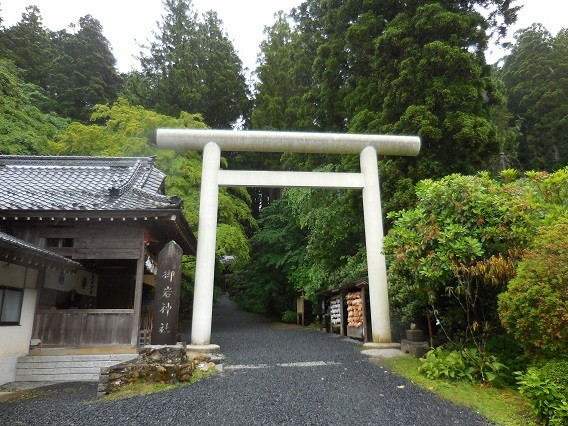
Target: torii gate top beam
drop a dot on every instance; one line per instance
(272, 141)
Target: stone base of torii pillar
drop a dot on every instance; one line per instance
(203, 349)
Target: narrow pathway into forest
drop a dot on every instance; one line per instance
(273, 375)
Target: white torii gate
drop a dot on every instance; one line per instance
(213, 141)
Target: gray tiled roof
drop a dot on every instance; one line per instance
(82, 183)
(21, 252)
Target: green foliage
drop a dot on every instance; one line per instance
(459, 248)
(266, 285)
(534, 308)
(191, 66)
(555, 370)
(508, 352)
(24, 129)
(463, 227)
(289, 317)
(546, 397)
(283, 78)
(433, 86)
(535, 76)
(224, 97)
(466, 364)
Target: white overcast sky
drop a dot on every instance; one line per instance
(126, 23)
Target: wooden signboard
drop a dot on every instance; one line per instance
(166, 298)
(300, 307)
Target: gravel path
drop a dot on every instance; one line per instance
(274, 375)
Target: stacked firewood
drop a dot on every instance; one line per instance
(354, 309)
(335, 309)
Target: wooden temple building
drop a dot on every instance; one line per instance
(105, 220)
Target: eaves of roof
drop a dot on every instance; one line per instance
(20, 252)
(182, 233)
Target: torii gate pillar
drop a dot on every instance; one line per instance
(205, 257)
(212, 141)
(376, 263)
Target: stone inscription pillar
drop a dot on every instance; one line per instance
(166, 297)
(378, 290)
(206, 237)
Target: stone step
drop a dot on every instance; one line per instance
(66, 364)
(57, 377)
(64, 368)
(51, 358)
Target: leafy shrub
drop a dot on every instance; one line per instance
(438, 364)
(534, 309)
(556, 370)
(508, 352)
(289, 317)
(456, 251)
(466, 364)
(545, 397)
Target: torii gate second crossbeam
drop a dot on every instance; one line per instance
(213, 141)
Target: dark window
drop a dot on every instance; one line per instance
(59, 242)
(52, 242)
(67, 242)
(10, 305)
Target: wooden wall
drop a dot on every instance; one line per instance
(94, 240)
(84, 326)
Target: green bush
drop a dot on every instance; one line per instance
(458, 220)
(556, 370)
(289, 317)
(508, 352)
(466, 365)
(545, 397)
(534, 309)
(455, 252)
(458, 249)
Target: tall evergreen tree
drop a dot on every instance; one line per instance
(535, 75)
(225, 93)
(284, 77)
(432, 80)
(171, 63)
(192, 66)
(28, 44)
(82, 73)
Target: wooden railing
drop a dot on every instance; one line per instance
(84, 326)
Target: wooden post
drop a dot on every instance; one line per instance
(166, 299)
(430, 330)
(40, 281)
(321, 311)
(342, 316)
(303, 309)
(138, 296)
(365, 323)
(300, 308)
